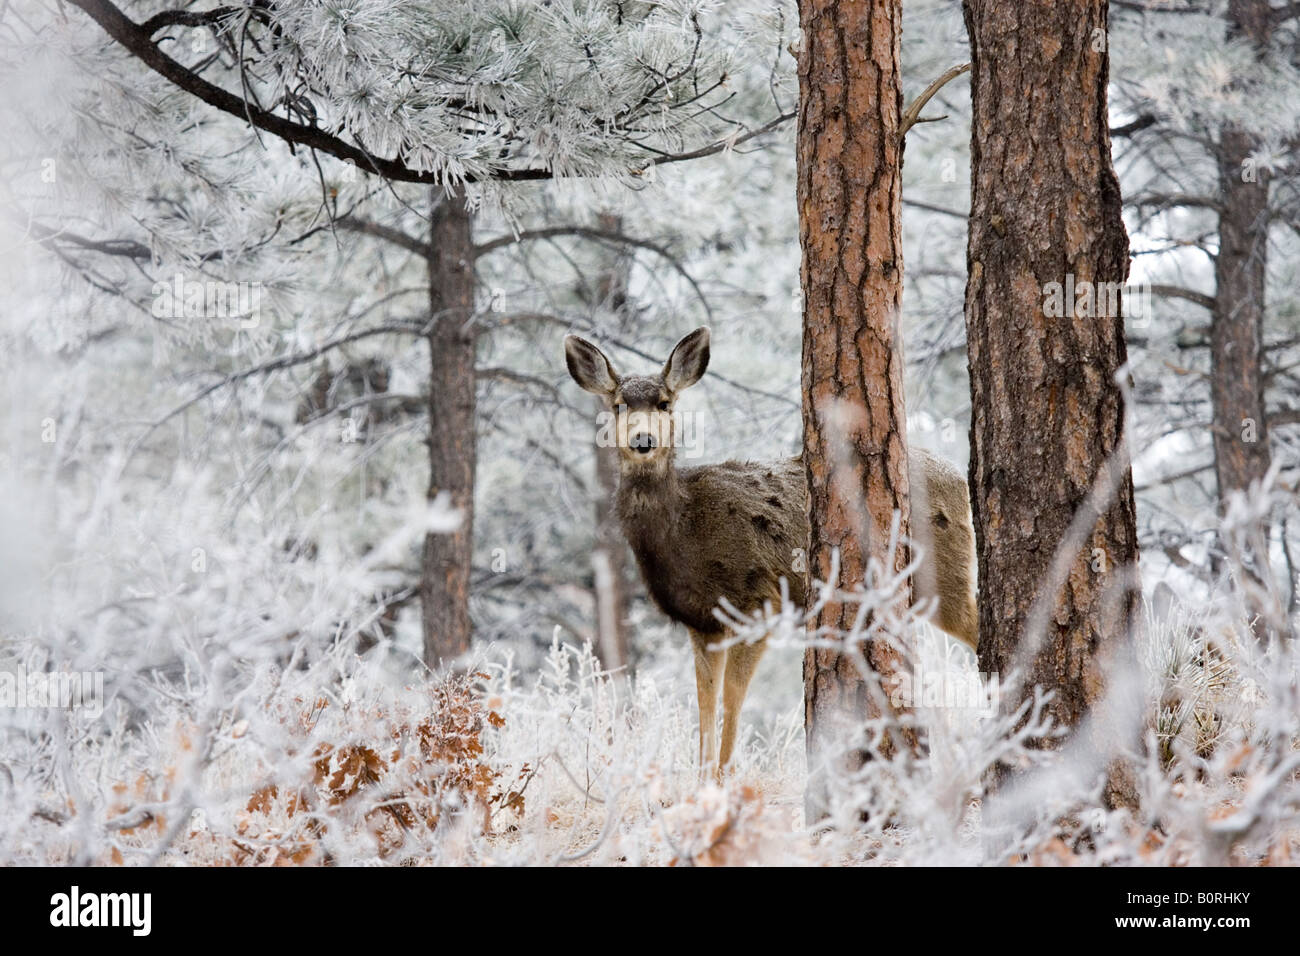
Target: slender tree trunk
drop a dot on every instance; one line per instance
(609, 563)
(849, 194)
(447, 559)
(1242, 454)
(1047, 415)
(609, 558)
(1241, 446)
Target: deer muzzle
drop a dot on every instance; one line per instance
(642, 443)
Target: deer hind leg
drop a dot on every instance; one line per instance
(709, 665)
(742, 660)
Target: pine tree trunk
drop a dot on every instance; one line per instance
(447, 559)
(609, 563)
(1047, 415)
(849, 196)
(609, 557)
(1241, 445)
(1241, 448)
(1242, 454)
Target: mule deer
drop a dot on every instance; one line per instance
(735, 529)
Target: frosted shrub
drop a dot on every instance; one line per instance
(237, 725)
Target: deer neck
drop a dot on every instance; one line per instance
(653, 510)
(650, 502)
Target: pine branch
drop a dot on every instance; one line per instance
(191, 18)
(133, 37)
(137, 39)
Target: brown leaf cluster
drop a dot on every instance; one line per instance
(401, 772)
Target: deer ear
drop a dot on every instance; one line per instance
(589, 366)
(690, 358)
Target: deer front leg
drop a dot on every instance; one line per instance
(709, 664)
(742, 661)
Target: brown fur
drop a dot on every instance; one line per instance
(734, 530)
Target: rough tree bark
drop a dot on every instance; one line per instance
(1047, 414)
(447, 558)
(849, 196)
(1241, 444)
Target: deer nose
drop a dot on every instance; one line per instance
(642, 443)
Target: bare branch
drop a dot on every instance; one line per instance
(1190, 295)
(723, 144)
(1175, 477)
(124, 248)
(1170, 200)
(930, 207)
(286, 361)
(502, 374)
(911, 116)
(604, 235)
(1128, 129)
(397, 237)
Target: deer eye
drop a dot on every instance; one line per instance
(663, 406)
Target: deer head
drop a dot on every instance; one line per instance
(642, 405)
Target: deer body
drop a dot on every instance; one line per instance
(734, 530)
(726, 530)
